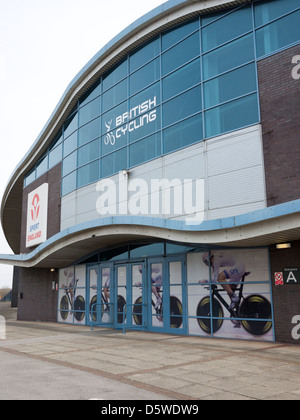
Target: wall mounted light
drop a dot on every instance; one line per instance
(284, 246)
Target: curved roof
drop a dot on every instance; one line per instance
(162, 17)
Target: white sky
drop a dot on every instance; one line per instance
(43, 45)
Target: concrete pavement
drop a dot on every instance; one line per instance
(41, 361)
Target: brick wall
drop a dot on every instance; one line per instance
(280, 117)
(286, 298)
(39, 301)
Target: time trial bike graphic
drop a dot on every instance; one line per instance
(70, 302)
(253, 313)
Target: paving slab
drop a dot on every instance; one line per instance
(40, 361)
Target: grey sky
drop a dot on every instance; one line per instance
(43, 45)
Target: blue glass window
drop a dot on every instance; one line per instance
(70, 144)
(115, 95)
(89, 132)
(89, 112)
(144, 54)
(118, 73)
(114, 163)
(69, 183)
(70, 125)
(228, 57)
(181, 53)
(70, 163)
(232, 116)
(88, 152)
(145, 76)
(88, 174)
(229, 27)
(177, 34)
(278, 34)
(267, 11)
(231, 85)
(92, 93)
(181, 79)
(110, 118)
(183, 134)
(55, 156)
(42, 166)
(145, 150)
(182, 106)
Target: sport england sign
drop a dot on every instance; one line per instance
(37, 216)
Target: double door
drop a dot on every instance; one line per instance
(149, 294)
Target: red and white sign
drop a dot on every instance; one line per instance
(37, 216)
(278, 279)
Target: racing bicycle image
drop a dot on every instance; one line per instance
(105, 308)
(70, 302)
(253, 313)
(175, 310)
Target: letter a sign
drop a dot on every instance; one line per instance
(291, 276)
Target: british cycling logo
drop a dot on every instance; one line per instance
(138, 116)
(296, 69)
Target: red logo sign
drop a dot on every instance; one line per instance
(35, 211)
(278, 279)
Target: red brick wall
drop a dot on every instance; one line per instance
(280, 117)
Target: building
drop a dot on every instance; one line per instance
(164, 191)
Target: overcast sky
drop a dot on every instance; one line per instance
(43, 45)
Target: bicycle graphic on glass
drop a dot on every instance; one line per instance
(253, 313)
(70, 303)
(110, 138)
(105, 301)
(175, 304)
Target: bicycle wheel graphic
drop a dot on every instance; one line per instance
(138, 311)
(64, 308)
(94, 311)
(120, 309)
(79, 308)
(175, 312)
(256, 307)
(204, 315)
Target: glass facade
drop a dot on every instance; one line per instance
(195, 81)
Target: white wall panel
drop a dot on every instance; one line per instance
(231, 166)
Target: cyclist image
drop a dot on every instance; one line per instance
(156, 278)
(70, 276)
(234, 273)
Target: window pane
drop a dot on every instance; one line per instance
(183, 134)
(228, 57)
(182, 106)
(114, 163)
(69, 183)
(71, 125)
(89, 112)
(109, 119)
(30, 178)
(181, 80)
(145, 150)
(145, 76)
(181, 54)
(91, 94)
(144, 54)
(115, 95)
(229, 86)
(42, 166)
(70, 144)
(89, 152)
(55, 156)
(175, 35)
(88, 132)
(231, 116)
(279, 34)
(70, 163)
(88, 174)
(144, 125)
(270, 10)
(115, 75)
(226, 29)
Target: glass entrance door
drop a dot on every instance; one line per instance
(167, 286)
(100, 289)
(130, 290)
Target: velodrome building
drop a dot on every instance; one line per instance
(163, 193)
